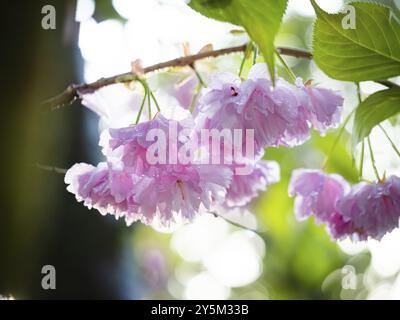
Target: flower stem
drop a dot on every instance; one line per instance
(150, 95)
(141, 107)
(149, 102)
(199, 77)
(245, 55)
(194, 100)
(338, 138)
(362, 159)
(390, 140)
(255, 54)
(358, 92)
(155, 100)
(373, 159)
(287, 68)
(360, 171)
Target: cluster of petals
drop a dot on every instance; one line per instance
(280, 116)
(142, 191)
(130, 186)
(244, 188)
(366, 210)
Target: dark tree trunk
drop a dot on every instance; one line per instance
(40, 222)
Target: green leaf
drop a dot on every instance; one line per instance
(376, 108)
(394, 5)
(105, 10)
(260, 18)
(371, 51)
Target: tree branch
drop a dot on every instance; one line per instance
(70, 94)
(297, 53)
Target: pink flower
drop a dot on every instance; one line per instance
(362, 212)
(339, 227)
(116, 105)
(275, 114)
(150, 192)
(182, 86)
(220, 103)
(230, 104)
(178, 83)
(106, 189)
(287, 105)
(180, 191)
(131, 144)
(223, 91)
(279, 116)
(322, 106)
(373, 209)
(170, 195)
(317, 193)
(244, 188)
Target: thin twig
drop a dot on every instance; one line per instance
(297, 53)
(71, 93)
(50, 168)
(236, 224)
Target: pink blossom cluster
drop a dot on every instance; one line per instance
(280, 116)
(366, 210)
(130, 186)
